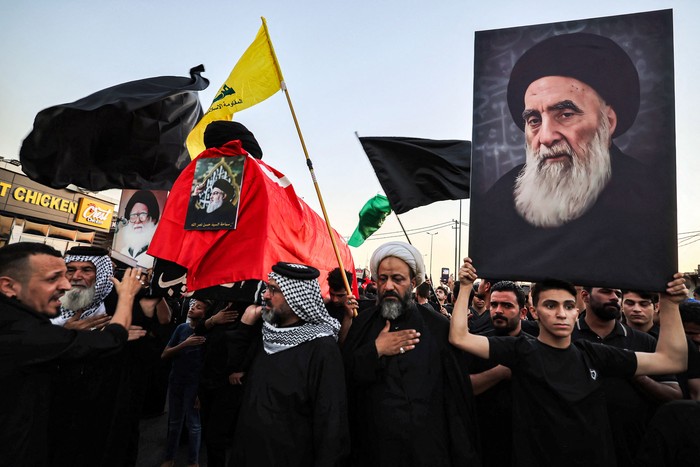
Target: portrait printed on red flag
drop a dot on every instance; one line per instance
(573, 156)
(139, 213)
(216, 191)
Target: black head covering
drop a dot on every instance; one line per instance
(87, 251)
(220, 132)
(147, 198)
(299, 272)
(592, 59)
(224, 186)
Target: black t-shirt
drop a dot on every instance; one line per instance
(559, 415)
(629, 407)
(494, 408)
(693, 371)
(479, 323)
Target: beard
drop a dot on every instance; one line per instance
(550, 194)
(214, 205)
(392, 309)
(606, 311)
(269, 316)
(78, 298)
(509, 325)
(137, 239)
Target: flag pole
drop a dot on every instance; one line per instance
(309, 163)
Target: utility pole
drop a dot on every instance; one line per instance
(430, 272)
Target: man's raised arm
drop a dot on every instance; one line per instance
(671, 354)
(459, 329)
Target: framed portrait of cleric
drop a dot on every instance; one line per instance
(216, 190)
(573, 159)
(139, 213)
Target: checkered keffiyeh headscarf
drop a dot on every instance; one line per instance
(303, 294)
(103, 286)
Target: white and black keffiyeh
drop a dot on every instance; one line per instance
(103, 286)
(304, 297)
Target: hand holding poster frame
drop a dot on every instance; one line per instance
(613, 226)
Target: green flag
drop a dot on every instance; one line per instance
(372, 217)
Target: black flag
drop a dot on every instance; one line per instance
(414, 172)
(131, 135)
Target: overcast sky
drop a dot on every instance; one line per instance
(381, 68)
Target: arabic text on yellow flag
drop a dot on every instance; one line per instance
(255, 77)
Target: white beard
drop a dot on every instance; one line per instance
(552, 194)
(214, 205)
(78, 298)
(136, 240)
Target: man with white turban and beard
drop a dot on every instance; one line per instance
(410, 397)
(571, 95)
(294, 409)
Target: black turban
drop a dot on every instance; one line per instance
(592, 59)
(147, 198)
(221, 132)
(87, 251)
(300, 272)
(224, 186)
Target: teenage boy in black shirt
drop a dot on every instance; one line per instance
(557, 396)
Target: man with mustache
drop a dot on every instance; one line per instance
(559, 409)
(572, 95)
(32, 282)
(491, 381)
(630, 401)
(409, 394)
(89, 270)
(294, 409)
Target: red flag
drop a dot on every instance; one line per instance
(274, 224)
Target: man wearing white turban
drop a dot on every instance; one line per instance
(410, 398)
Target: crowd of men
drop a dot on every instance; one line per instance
(559, 376)
(407, 374)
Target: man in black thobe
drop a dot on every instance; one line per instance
(294, 410)
(409, 393)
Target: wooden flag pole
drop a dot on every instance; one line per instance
(310, 165)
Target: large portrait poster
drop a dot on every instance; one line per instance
(573, 162)
(216, 191)
(139, 213)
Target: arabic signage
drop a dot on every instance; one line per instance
(21, 196)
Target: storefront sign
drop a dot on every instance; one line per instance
(94, 213)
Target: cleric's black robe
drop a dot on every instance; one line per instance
(294, 410)
(412, 409)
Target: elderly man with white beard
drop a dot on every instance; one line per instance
(89, 271)
(409, 392)
(572, 94)
(142, 213)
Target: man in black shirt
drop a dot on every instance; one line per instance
(630, 401)
(32, 281)
(557, 397)
(491, 381)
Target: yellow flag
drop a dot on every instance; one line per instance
(255, 77)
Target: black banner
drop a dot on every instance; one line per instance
(131, 135)
(415, 172)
